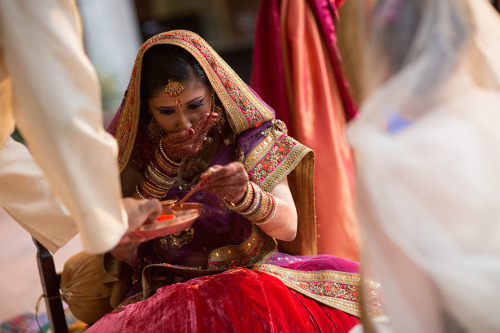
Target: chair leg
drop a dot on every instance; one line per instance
(50, 284)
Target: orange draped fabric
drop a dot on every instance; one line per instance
(318, 120)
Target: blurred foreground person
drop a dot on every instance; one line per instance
(49, 90)
(427, 149)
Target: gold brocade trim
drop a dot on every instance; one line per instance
(132, 299)
(273, 159)
(178, 239)
(245, 110)
(256, 248)
(260, 249)
(126, 130)
(230, 88)
(339, 290)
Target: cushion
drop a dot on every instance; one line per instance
(82, 287)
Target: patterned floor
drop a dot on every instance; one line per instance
(19, 280)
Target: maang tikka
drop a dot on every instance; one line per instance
(174, 89)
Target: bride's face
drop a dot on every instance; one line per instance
(179, 112)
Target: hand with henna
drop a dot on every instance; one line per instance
(228, 182)
(188, 142)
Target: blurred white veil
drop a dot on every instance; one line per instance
(427, 150)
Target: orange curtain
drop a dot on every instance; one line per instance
(318, 120)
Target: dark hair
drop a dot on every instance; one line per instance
(167, 62)
(400, 24)
(402, 30)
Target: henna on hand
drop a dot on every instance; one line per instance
(188, 142)
(228, 182)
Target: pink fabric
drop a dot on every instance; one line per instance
(319, 118)
(268, 78)
(239, 300)
(324, 12)
(268, 72)
(303, 64)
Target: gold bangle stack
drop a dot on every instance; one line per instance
(267, 211)
(257, 205)
(245, 203)
(159, 176)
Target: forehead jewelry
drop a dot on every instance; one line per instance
(174, 89)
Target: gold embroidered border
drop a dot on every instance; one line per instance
(293, 152)
(250, 112)
(258, 242)
(297, 280)
(225, 82)
(132, 299)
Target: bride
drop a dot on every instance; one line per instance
(250, 262)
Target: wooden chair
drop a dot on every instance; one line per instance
(51, 281)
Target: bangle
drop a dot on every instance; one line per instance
(244, 203)
(177, 164)
(270, 215)
(256, 200)
(139, 192)
(257, 206)
(159, 176)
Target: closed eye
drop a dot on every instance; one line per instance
(195, 105)
(167, 111)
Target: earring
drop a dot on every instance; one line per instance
(154, 129)
(219, 123)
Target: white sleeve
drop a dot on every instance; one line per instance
(57, 107)
(27, 197)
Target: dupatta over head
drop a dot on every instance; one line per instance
(275, 157)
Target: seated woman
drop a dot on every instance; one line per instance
(188, 117)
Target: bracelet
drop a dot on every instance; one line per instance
(139, 192)
(244, 203)
(270, 215)
(159, 176)
(256, 201)
(257, 206)
(150, 190)
(263, 210)
(177, 164)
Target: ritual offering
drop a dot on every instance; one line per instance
(174, 218)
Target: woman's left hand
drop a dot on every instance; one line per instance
(188, 142)
(229, 182)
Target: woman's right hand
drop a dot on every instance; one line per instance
(189, 141)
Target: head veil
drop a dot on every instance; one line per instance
(425, 139)
(416, 50)
(245, 111)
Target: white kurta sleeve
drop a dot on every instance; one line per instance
(57, 107)
(27, 197)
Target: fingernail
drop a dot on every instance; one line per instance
(190, 131)
(215, 115)
(202, 185)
